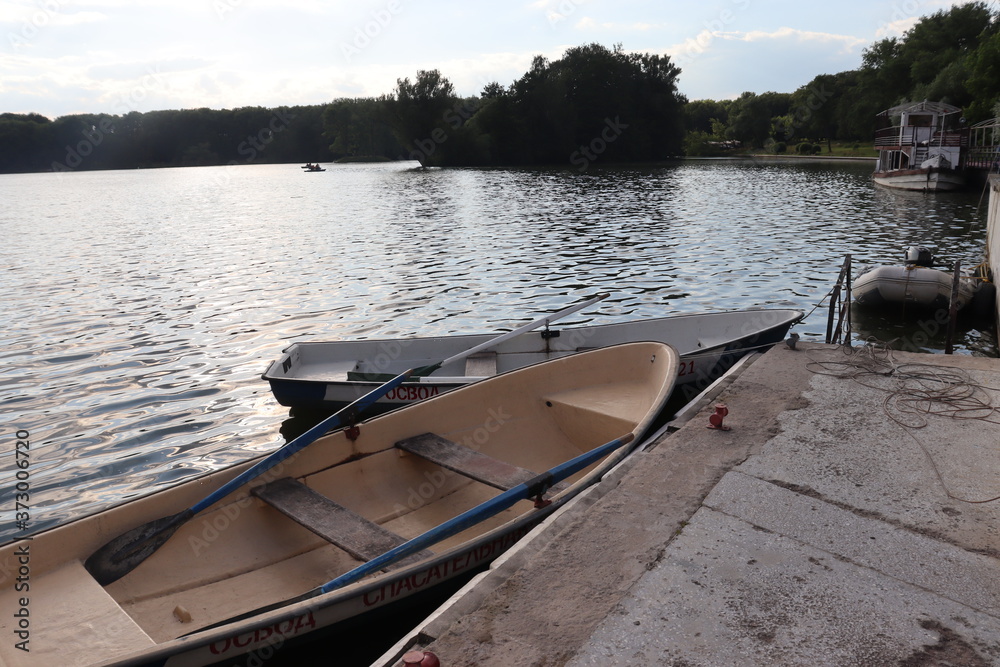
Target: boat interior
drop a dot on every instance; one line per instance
(338, 503)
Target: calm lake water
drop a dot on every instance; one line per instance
(140, 307)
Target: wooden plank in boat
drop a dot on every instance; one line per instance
(353, 533)
(465, 461)
(79, 615)
(481, 364)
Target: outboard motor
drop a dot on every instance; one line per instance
(919, 255)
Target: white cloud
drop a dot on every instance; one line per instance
(562, 6)
(587, 23)
(91, 53)
(904, 14)
(77, 18)
(779, 60)
(895, 28)
(787, 39)
(845, 43)
(128, 71)
(692, 47)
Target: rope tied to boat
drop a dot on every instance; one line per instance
(820, 303)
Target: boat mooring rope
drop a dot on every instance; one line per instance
(914, 392)
(844, 326)
(818, 304)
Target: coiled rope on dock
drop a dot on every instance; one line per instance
(914, 392)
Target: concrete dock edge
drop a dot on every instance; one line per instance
(830, 526)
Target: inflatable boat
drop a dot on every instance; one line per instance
(914, 283)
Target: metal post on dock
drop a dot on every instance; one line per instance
(845, 315)
(834, 299)
(833, 333)
(949, 344)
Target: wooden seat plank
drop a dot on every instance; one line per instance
(481, 364)
(466, 461)
(353, 533)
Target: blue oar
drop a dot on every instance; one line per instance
(124, 553)
(530, 489)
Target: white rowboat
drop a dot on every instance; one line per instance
(329, 375)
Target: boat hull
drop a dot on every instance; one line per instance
(298, 622)
(911, 285)
(314, 376)
(231, 580)
(923, 180)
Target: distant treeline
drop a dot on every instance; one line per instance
(190, 137)
(594, 104)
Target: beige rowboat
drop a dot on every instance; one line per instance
(214, 590)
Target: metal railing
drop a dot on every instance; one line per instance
(840, 307)
(982, 157)
(899, 136)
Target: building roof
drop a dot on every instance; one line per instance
(933, 107)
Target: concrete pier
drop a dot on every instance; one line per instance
(993, 234)
(849, 517)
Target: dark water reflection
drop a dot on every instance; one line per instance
(141, 306)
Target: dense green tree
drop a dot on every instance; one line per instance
(359, 128)
(945, 37)
(420, 113)
(162, 138)
(983, 80)
(813, 111)
(593, 104)
(704, 144)
(497, 133)
(935, 59)
(703, 115)
(752, 117)
(854, 117)
(23, 142)
(884, 78)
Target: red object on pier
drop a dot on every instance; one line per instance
(715, 419)
(421, 659)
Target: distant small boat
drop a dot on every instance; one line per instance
(919, 149)
(329, 375)
(913, 283)
(355, 523)
(313, 167)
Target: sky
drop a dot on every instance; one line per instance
(60, 57)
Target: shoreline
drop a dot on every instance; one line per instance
(795, 158)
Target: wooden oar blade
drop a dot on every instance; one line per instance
(121, 555)
(124, 553)
(424, 371)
